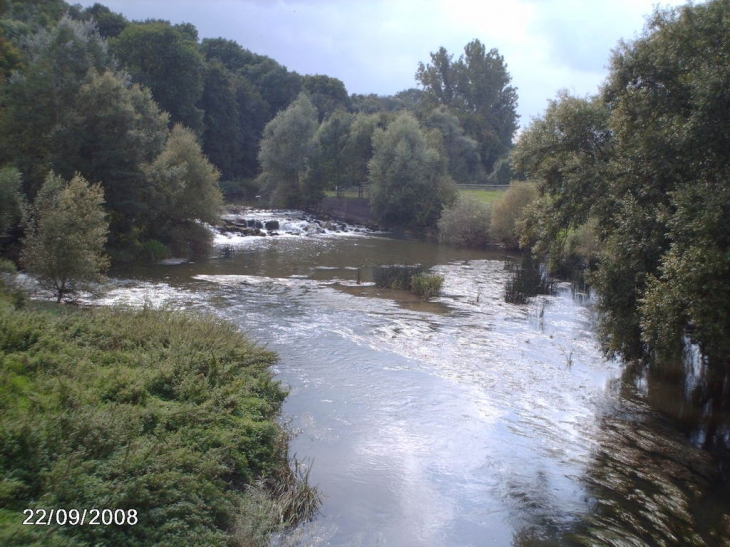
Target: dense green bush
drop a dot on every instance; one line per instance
(465, 223)
(171, 415)
(426, 286)
(153, 251)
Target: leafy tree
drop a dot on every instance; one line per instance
(109, 23)
(328, 166)
(11, 199)
(327, 94)
(57, 63)
(667, 243)
(476, 87)
(184, 193)
(286, 148)
(567, 152)
(110, 130)
(646, 163)
(461, 151)
(359, 148)
(166, 59)
(274, 82)
(407, 186)
(66, 231)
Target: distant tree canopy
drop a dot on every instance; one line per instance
(476, 88)
(166, 59)
(647, 163)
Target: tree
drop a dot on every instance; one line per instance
(461, 151)
(327, 94)
(11, 199)
(110, 129)
(109, 23)
(328, 165)
(476, 87)
(184, 192)
(57, 63)
(667, 239)
(408, 188)
(567, 152)
(66, 230)
(166, 59)
(286, 148)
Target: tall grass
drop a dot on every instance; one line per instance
(395, 276)
(527, 280)
(408, 278)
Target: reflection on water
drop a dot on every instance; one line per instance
(463, 421)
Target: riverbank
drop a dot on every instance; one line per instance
(168, 420)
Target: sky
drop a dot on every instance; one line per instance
(374, 46)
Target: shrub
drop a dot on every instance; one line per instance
(171, 415)
(465, 223)
(395, 276)
(509, 210)
(153, 251)
(426, 286)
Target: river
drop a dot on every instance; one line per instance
(464, 421)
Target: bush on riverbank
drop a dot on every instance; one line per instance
(465, 223)
(408, 278)
(426, 286)
(171, 415)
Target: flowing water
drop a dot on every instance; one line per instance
(460, 421)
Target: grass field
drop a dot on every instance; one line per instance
(484, 196)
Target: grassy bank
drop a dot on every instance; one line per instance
(483, 196)
(159, 412)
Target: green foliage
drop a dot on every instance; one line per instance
(396, 276)
(286, 148)
(645, 167)
(567, 153)
(426, 286)
(11, 199)
(407, 187)
(327, 94)
(109, 23)
(508, 212)
(184, 191)
(66, 231)
(113, 129)
(461, 151)
(168, 414)
(329, 163)
(153, 251)
(408, 278)
(57, 63)
(166, 59)
(476, 88)
(466, 223)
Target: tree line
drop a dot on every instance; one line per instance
(636, 180)
(164, 121)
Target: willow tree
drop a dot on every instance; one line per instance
(286, 147)
(408, 185)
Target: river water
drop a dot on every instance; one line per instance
(463, 421)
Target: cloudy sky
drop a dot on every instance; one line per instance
(374, 46)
